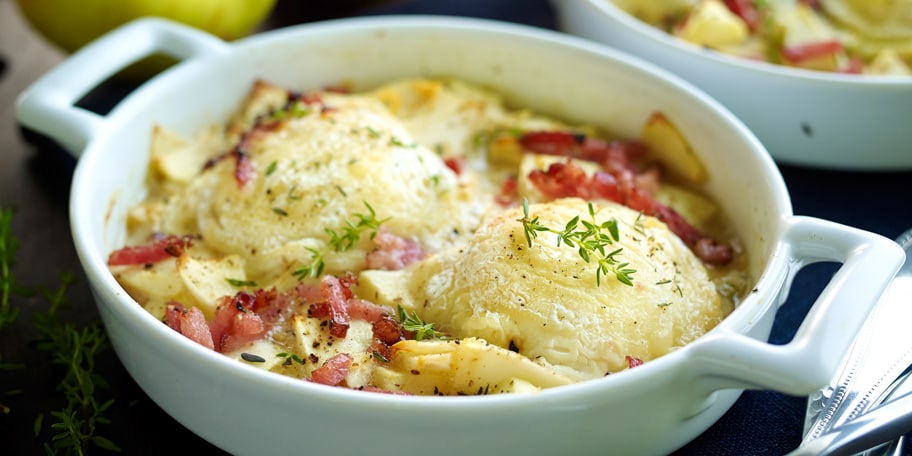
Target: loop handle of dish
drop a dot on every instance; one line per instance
(809, 360)
(49, 105)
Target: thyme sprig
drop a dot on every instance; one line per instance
(413, 323)
(74, 427)
(341, 241)
(8, 286)
(313, 269)
(592, 242)
(351, 232)
(75, 350)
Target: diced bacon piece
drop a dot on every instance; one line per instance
(333, 371)
(189, 322)
(563, 180)
(392, 252)
(309, 293)
(159, 249)
(611, 155)
(710, 251)
(387, 330)
(333, 307)
(455, 163)
(808, 51)
(271, 305)
(633, 361)
(552, 142)
(235, 323)
(243, 168)
(172, 314)
(705, 248)
(361, 309)
(747, 11)
(508, 192)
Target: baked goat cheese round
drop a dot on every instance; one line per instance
(314, 171)
(546, 302)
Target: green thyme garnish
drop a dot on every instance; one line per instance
(639, 225)
(313, 269)
(394, 141)
(240, 283)
(379, 356)
(8, 287)
(341, 190)
(350, 234)
(675, 283)
(75, 350)
(280, 211)
(591, 241)
(413, 323)
(290, 357)
(372, 132)
(271, 168)
(293, 111)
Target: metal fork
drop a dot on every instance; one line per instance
(874, 373)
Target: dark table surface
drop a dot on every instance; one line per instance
(34, 181)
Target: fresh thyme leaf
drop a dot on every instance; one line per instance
(348, 235)
(293, 111)
(289, 357)
(373, 133)
(271, 168)
(413, 323)
(8, 287)
(379, 356)
(591, 242)
(638, 224)
(240, 283)
(313, 269)
(74, 350)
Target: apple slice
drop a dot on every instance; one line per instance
(671, 148)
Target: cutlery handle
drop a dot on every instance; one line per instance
(48, 106)
(869, 261)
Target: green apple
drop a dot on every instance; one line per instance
(70, 24)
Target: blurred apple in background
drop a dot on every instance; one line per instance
(70, 24)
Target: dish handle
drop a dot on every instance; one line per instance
(726, 359)
(48, 106)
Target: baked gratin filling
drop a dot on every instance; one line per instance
(426, 238)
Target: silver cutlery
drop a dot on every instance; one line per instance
(868, 403)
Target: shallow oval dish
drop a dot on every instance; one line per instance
(664, 403)
(803, 117)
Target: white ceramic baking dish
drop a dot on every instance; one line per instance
(652, 409)
(803, 117)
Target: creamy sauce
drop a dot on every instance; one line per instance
(320, 236)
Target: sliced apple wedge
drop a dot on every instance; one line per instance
(671, 148)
